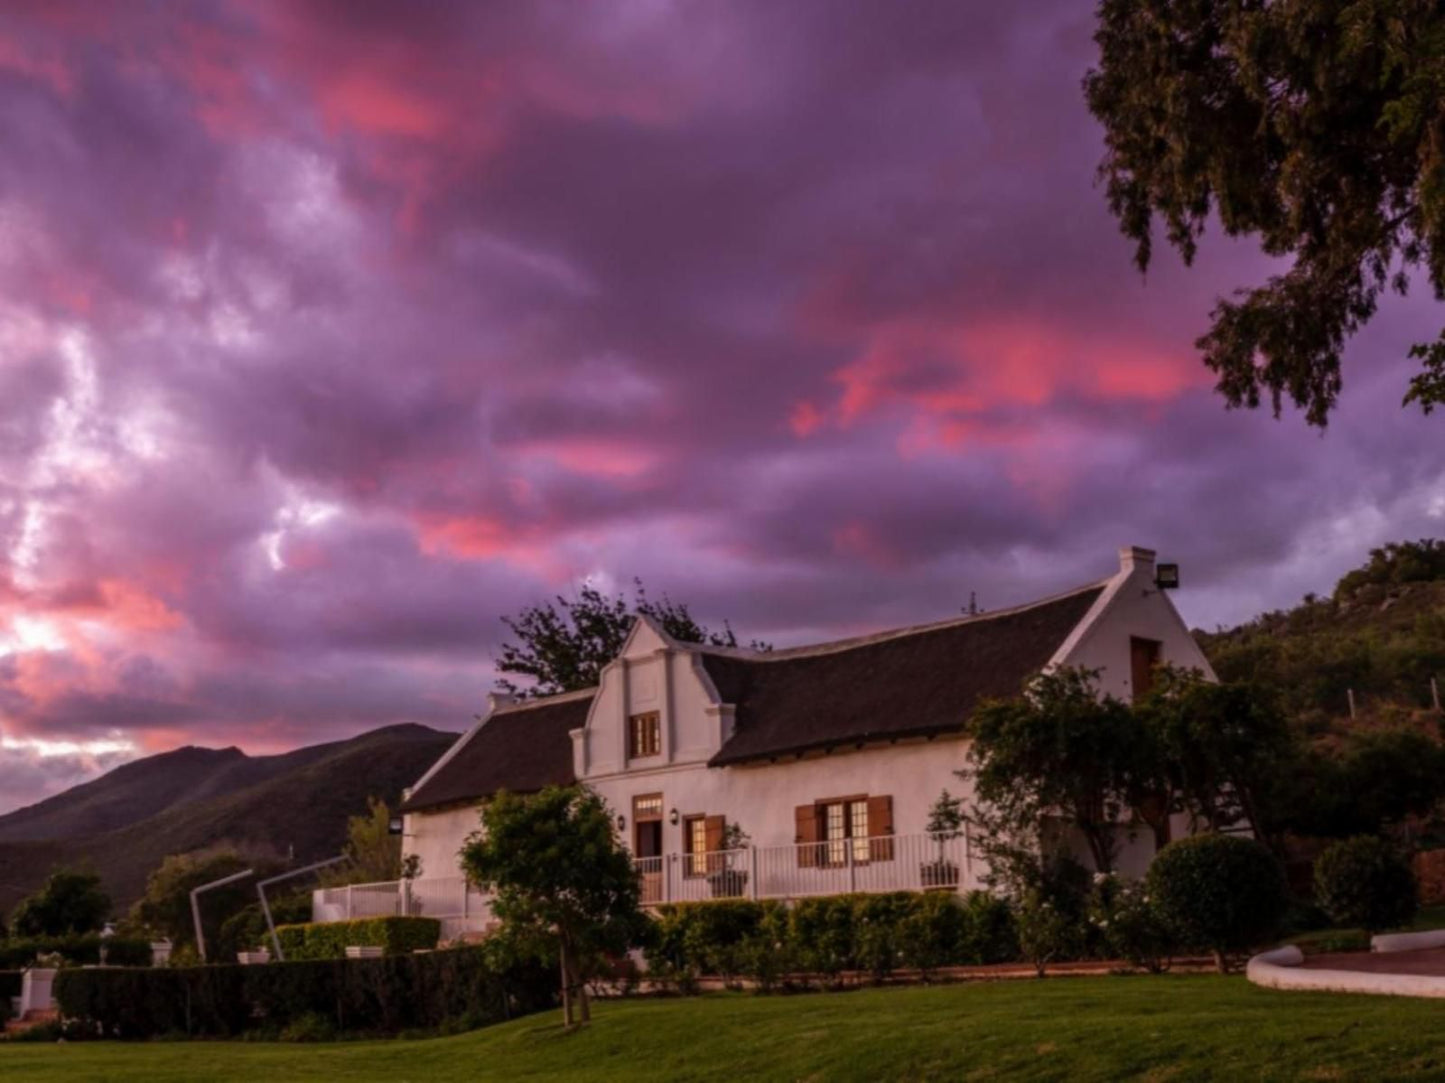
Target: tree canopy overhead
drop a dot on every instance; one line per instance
(1317, 126)
(563, 644)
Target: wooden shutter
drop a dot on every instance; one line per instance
(1143, 657)
(713, 828)
(806, 819)
(880, 823)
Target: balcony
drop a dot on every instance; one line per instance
(459, 906)
(839, 867)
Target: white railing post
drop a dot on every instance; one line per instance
(349, 913)
(667, 877)
(852, 871)
(405, 898)
(753, 873)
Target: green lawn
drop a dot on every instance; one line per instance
(1156, 1028)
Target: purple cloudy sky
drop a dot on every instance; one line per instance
(330, 332)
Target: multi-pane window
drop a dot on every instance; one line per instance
(695, 844)
(844, 821)
(644, 735)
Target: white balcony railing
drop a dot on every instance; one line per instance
(458, 905)
(841, 866)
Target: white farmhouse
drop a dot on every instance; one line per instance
(827, 757)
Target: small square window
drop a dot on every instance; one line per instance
(644, 735)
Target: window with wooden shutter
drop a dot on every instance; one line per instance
(715, 827)
(694, 845)
(1143, 659)
(880, 828)
(806, 820)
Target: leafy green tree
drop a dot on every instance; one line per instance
(1058, 749)
(70, 902)
(1219, 746)
(165, 908)
(1369, 782)
(1317, 128)
(563, 644)
(372, 852)
(559, 875)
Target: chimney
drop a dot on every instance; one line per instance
(1132, 557)
(497, 700)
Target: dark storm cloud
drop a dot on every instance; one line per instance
(331, 332)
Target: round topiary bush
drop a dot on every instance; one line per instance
(1364, 882)
(1221, 893)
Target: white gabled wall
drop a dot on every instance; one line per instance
(651, 674)
(1131, 605)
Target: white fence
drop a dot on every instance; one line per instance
(836, 867)
(841, 866)
(459, 906)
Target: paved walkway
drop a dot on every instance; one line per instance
(1429, 962)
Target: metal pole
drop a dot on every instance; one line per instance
(196, 906)
(266, 906)
(1435, 693)
(1351, 693)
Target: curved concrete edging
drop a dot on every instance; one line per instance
(1433, 938)
(1280, 969)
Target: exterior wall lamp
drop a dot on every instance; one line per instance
(672, 817)
(621, 823)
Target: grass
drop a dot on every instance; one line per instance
(1429, 917)
(1151, 1028)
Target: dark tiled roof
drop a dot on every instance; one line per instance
(908, 684)
(522, 749)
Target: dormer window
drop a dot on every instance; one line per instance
(644, 735)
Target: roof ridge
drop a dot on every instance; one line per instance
(837, 645)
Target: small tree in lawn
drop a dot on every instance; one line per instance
(558, 872)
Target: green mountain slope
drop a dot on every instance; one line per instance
(296, 804)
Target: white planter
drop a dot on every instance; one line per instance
(363, 952)
(35, 990)
(248, 958)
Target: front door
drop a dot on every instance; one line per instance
(647, 844)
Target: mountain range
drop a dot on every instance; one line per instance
(123, 824)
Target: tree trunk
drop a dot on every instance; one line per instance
(566, 984)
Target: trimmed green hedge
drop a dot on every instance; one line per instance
(471, 987)
(10, 983)
(330, 939)
(81, 950)
(876, 934)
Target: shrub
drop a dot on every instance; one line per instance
(876, 922)
(1222, 893)
(692, 939)
(768, 954)
(827, 936)
(990, 935)
(370, 996)
(822, 933)
(330, 939)
(1130, 924)
(933, 933)
(1364, 882)
(1046, 932)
